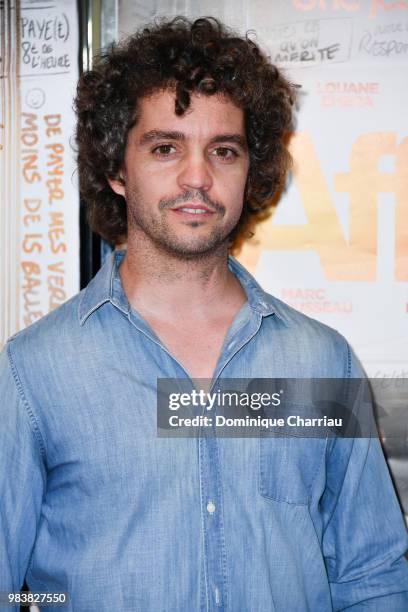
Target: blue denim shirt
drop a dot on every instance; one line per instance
(93, 503)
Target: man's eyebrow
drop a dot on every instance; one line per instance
(154, 135)
(233, 138)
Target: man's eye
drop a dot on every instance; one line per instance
(164, 150)
(225, 153)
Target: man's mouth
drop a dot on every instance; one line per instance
(191, 209)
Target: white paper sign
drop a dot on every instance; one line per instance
(49, 266)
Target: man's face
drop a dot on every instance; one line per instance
(184, 177)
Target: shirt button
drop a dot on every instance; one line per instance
(210, 507)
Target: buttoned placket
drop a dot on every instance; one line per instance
(215, 552)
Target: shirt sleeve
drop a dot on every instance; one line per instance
(22, 480)
(365, 537)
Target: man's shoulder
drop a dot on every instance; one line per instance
(310, 341)
(63, 327)
(293, 326)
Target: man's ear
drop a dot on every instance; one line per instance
(118, 185)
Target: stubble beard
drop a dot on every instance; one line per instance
(158, 231)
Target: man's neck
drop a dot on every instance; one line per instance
(171, 288)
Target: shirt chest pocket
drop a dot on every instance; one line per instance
(289, 466)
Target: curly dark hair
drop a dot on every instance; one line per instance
(187, 56)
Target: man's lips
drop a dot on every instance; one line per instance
(193, 210)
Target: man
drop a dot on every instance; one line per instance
(180, 151)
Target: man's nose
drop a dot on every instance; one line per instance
(195, 172)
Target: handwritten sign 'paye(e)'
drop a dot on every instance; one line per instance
(45, 42)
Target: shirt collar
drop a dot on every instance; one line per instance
(106, 286)
(260, 301)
